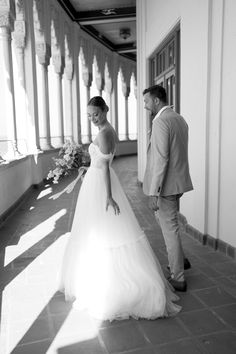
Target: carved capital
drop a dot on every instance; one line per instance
(108, 85)
(87, 77)
(58, 62)
(7, 13)
(43, 51)
(99, 82)
(125, 90)
(19, 34)
(69, 68)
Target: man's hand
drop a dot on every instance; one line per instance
(153, 202)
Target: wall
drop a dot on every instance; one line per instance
(207, 76)
(17, 176)
(227, 177)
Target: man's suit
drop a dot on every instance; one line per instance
(167, 176)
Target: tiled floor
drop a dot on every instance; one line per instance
(35, 318)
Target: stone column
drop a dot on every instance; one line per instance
(30, 78)
(43, 52)
(108, 90)
(76, 86)
(87, 77)
(19, 41)
(126, 92)
(57, 62)
(7, 14)
(68, 100)
(19, 36)
(114, 104)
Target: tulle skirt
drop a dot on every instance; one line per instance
(109, 268)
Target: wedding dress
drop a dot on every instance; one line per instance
(109, 268)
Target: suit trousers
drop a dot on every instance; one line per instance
(167, 215)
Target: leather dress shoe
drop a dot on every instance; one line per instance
(178, 285)
(187, 264)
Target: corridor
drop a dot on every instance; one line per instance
(36, 319)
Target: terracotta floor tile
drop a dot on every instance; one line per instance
(198, 281)
(123, 338)
(92, 346)
(185, 346)
(228, 314)
(189, 302)
(201, 322)
(220, 343)
(32, 348)
(163, 330)
(215, 296)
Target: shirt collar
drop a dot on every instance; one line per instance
(160, 112)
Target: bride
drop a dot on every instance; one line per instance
(109, 268)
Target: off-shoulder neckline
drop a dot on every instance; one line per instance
(110, 153)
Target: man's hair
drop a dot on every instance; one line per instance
(156, 91)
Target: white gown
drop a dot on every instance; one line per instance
(109, 268)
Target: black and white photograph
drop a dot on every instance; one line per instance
(117, 177)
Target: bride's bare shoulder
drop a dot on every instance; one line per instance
(106, 140)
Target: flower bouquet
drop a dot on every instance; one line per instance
(71, 157)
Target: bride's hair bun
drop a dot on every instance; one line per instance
(98, 101)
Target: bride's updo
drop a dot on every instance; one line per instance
(98, 101)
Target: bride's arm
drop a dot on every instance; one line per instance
(104, 145)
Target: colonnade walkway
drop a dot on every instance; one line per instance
(35, 318)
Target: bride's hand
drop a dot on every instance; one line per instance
(114, 205)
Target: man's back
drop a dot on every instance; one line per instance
(168, 155)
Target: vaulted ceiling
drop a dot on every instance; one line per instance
(111, 22)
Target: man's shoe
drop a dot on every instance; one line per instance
(178, 285)
(187, 264)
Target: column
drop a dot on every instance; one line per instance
(68, 100)
(76, 88)
(8, 127)
(43, 53)
(113, 73)
(57, 62)
(19, 36)
(31, 89)
(19, 42)
(126, 92)
(108, 90)
(87, 77)
(114, 104)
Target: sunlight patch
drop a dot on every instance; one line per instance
(78, 327)
(44, 192)
(31, 237)
(27, 296)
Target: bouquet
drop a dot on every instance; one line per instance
(71, 157)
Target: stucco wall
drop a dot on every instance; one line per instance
(16, 177)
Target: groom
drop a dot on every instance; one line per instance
(167, 176)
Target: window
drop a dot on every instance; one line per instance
(165, 67)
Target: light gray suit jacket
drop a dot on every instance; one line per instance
(167, 169)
